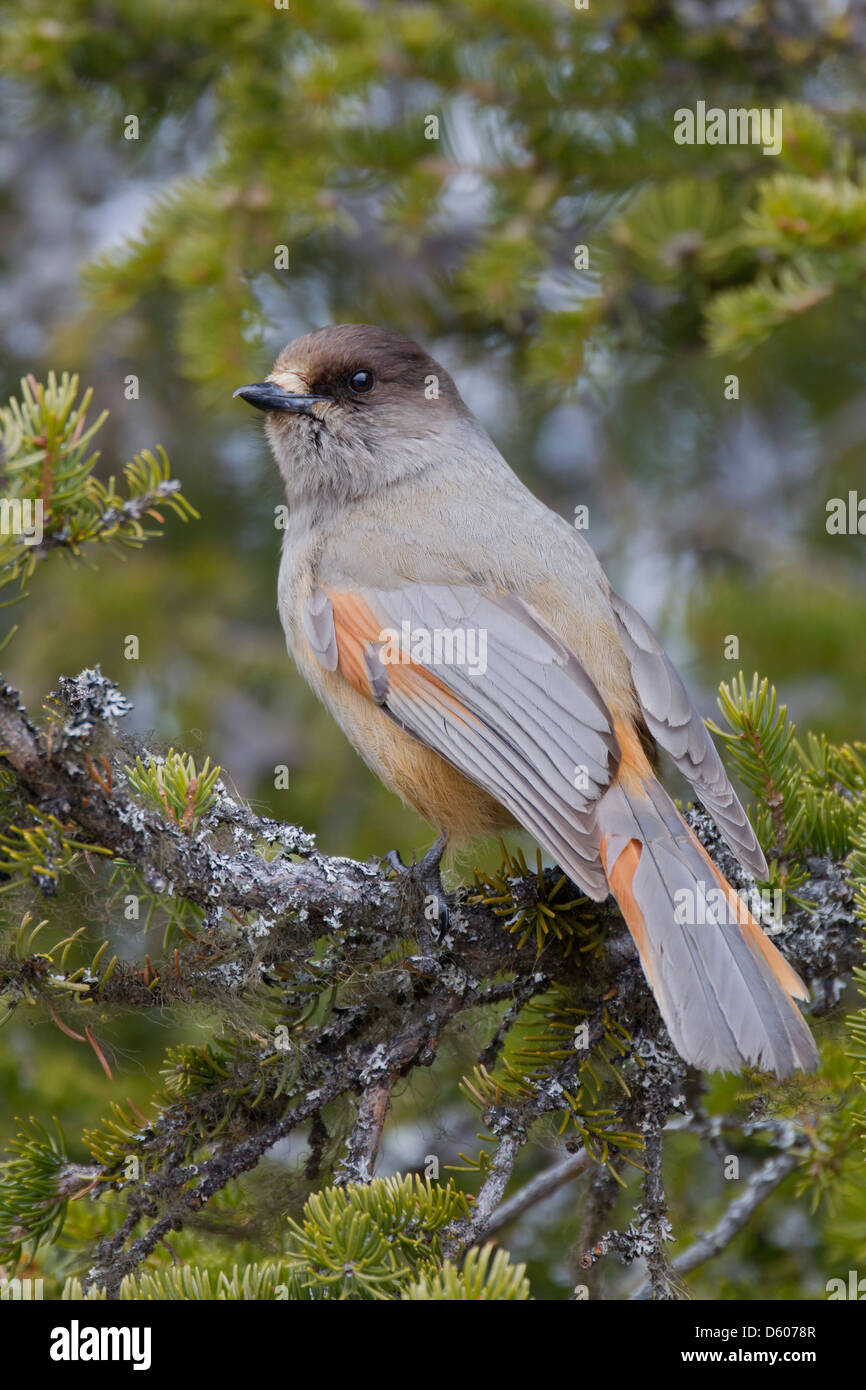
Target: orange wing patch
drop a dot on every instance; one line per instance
(356, 628)
(620, 877)
(357, 631)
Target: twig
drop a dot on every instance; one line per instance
(543, 1185)
(521, 994)
(768, 1177)
(99, 1053)
(657, 1228)
(601, 1197)
(465, 1233)
(363, 1145)
(414, 1044)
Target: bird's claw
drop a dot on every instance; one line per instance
(425, 873)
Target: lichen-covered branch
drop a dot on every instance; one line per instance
(278, 925)
(767, 1178)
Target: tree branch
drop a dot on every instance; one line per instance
(542, 1186)
(299, 899)
(768, 1177)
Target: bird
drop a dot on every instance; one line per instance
(467, 640)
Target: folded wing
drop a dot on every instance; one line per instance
(678, 728)
(486, 683)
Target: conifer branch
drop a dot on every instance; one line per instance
(210, 854)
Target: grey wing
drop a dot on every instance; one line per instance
(678, 728)
(518, 716)
(318, 619)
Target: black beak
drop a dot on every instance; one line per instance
(266, 395)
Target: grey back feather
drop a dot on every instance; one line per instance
(678, 728)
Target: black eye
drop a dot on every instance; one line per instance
(362, 381)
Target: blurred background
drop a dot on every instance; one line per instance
(435, 168)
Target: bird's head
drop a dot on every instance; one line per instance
(352, 408)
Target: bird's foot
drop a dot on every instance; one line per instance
(425, 874)
(429, 876)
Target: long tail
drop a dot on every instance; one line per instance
(723, 989)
